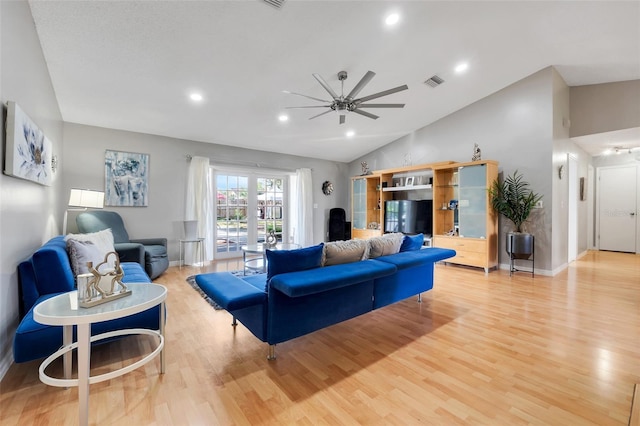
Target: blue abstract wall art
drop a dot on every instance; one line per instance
(126, 179)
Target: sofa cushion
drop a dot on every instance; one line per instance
(339, 252)
(385, 245)
(229, 291)
(412, 242)
(413, 258)
(331, 277)
(283, 261)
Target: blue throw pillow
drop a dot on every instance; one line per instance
(412, 242)
(283, 261)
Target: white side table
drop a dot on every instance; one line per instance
(63, 310)
(198, 247)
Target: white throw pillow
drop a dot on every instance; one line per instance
(93, 247)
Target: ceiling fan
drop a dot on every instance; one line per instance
(344, 104)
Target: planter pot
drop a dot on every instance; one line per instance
(519, 245)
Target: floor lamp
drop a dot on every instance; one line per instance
(81, 200)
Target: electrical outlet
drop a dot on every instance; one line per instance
(539, 205)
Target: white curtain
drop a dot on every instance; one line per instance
(303, 224)
(199, 203)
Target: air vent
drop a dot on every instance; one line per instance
(275, 3)
(434, 81)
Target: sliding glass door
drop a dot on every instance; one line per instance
(248, 207)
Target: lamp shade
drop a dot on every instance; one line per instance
(86, 198)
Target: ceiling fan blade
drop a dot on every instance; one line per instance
(381, 106)
(326, 86)
(309, 106)
(363, 82)
(322, 113)
(306, 96)
(366, 114)
(381, 94)
(342, 119)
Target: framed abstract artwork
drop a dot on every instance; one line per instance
(126, 179)
(28, 152)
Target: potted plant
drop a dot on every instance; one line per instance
(514, 200)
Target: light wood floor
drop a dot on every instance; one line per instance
(480, 349)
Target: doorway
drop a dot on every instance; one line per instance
(617, 207)
(248, 207)
(573, 208)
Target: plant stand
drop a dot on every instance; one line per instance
(532, 258)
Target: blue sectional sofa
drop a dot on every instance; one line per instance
(282, 305)
(48, 273)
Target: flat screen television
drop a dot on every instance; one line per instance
(409, 216)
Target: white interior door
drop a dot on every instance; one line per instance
(617, 207)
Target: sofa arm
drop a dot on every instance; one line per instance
(130, 252)
(311, 281)
(150, 241)
(408, 259)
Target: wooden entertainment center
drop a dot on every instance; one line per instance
(463, 218)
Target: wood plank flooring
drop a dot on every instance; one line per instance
(480, 350)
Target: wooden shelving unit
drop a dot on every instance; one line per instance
(474, 235)
(370, 192)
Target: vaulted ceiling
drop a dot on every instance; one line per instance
(132, 65)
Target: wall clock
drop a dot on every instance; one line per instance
(327, 187)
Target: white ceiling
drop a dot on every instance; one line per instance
(131, 65)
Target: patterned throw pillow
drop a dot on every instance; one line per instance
(385, 245)
(81, 252)
(93, 247)
(339, 252)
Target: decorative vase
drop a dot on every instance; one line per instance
(519, 245)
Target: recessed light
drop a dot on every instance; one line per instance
(461, 67)
(392, 19)
(195, 97)
(350, 134)
(283, 117)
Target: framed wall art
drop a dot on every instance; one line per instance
(126, 179)
(28, 152)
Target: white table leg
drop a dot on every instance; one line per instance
(180, 255)
(67, 359)
(162, 357)
(84, 363)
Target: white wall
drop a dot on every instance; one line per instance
(562, 147)
(600, 108)
(29, 213)
(83, 167)
(512, 126)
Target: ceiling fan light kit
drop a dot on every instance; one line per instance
(344, 104)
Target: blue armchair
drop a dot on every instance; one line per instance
(151, 253)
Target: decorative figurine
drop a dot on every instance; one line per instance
(272, 240)
(477, 156)
(365, 169)
(100, 287)
(327, 187)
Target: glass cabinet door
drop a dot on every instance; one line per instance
(472, 204)
(360, 203)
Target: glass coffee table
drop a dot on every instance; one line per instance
(260, 263)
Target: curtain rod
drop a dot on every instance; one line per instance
(257, 165)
